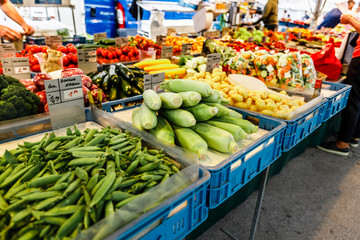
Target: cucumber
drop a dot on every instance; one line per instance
(263, 74)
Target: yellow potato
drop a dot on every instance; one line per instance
(216, 79)
(253, 108)
(237, 97)
(267, 112)
(255, 96)
(244, 93)
(232, 92)
(260, 104)
(293, 108)
(208, 77)
(274, 97)
(223, 93)
(284, 107)
(283, 92)
(270, 106)
(269, 101)
(223, 74)
(232, 102)
(278, 104)
(281, 114)
(197, 75)
(264, 95)
(241, 105)
(249, 101)
(202, 74)
(225, 90)
(216, 86)
(284, 101)
(217, 70)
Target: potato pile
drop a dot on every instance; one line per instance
(257, 101)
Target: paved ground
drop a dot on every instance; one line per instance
(315, 196)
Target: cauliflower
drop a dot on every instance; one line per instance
(190, 72)
(191, 64)
(200, 60)
(202, 68)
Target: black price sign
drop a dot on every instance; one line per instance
(186, 49)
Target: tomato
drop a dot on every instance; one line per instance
(66, 60)
(137, 57)
(71, 66)
(62, 49)
(114, 54)
(36, 68)
(116, 60)
(35, 49)
(104, 53)
(136, 51)
(122, 58)
(118, 52)
(44, 49)
(71, 49)
(110, 55)
(98, 51)
(74, 58)
(127, 59)
(130, 54)
(33, 61)
(70, 45)
(27, 48)
(133, 59)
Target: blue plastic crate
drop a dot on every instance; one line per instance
(337, 101)
(233, 173)
(74, 40)
(183, 213)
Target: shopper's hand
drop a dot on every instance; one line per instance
(29, 30)
(9, 34)
(345, 19)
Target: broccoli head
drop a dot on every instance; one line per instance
(13, 81)
(3, 83)
(7, 111)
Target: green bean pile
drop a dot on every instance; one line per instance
(61, 185)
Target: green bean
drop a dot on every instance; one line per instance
(26, 192)
(147, 167)
(149, 157)
(121, 135)
(139, 186)
(63, 138)
(175, 169)
(132, 167)
(96, 140)
(153, 151)
(5, 174)
(99, 209)
(117, 141)
(164, 167)
(127, 148)
(85, 154)
(58, 187)
(83, 161)
(117, 161)
(143, 162)
(64, 177)
(92, 182)
(60, 165)
(77, 131)
(89, 148)
(58, 211)
(3, 203)
(90, 135)
(48, 140)
(128, 183)
(82, 174)
(109, 208)
(13, 191)
(16, 205)
(21, 215)
(97, 186)
(10, 158)
(15, 177)
(148, 177)
(41, 195)
(47, 202)
(54, 220)
(81, 201)
(119, 146)
(71, 199)
(126, 201)
(118, 196)
(45, 231)
(72, 143)
(71, 223)
(93, 214)
(87, 220)
(18, 168)
(165, 177)
(43, 181)
(87, 197)
(159, 172)
(29, 235)
(100, 193)
(110, 166)
(31, 173)
(72, 187)
(52, 146)
(53, 154)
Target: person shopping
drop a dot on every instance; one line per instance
(9, 34)
(270, 15)
(349, 132)
(333, 17)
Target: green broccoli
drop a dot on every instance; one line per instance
(3, 83)
(7, 111)
(13, 81)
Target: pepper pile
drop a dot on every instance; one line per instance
(64, 184)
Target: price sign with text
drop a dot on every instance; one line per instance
(152, 81)
(264, 39)
(213, 61)
(98, 36)
(7, 50)
(65, 100)
(186, 48)
(212, 34)
(87, 59)
(183, 35)
(171, 31)
(53, 41)
(17, 67)
(287, 36)
(161, 40)
(121, 41)
(250, 40)
(166, 51)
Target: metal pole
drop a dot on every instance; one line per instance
(258, 203)
(73, 17)
(316, 14)
(58, 12)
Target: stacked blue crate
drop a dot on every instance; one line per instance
(100, 16)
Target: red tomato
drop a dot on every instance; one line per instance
(136, 51)
(127, 59)
(72, 49)
(122, 58)
(114, 54)
(35, 49)
(44, 49)
(130, 54)
(36, 68)
(65, 60)
(110, 55)
(98, 51)
(116, 60)
(70, 45)
(74, 58)
(71, 66)
(125, 50)
(62, 49)
(27, 48)
(118, 52)
(104, 53)
(133, 59)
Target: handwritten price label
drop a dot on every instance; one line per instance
(213, 61)
(73, 94)
(17, 67)
(87, 59)
(166, 51)
(153, 81)
(98, 36)
(21, 70)
(186, 49)
(53, 41)
(7, 50)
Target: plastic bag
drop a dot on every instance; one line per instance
(249, 57)
(156, 24)
(308, 70)
(289, 71)
(265, 66)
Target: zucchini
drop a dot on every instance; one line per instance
(113, 75)
(113, 94)
(126, 87)
(135, 90)
(106, 84)
(98, 79)
(125, 73)
(85, 46)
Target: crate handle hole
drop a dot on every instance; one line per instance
(270, 141)
(253, 152)
(309, 117)
(178, 208)
(235, 165)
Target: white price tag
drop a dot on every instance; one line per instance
(21, 70)
(161, 40)
(153, 81)
(7, 50)
(65, 100)
(53, 41)
(87, 59)
(121, 41)
(186, 49)
(166, 51)
(213, 61)
(98, 36)
(17, 67)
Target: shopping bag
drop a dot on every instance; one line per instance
(326, 62)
